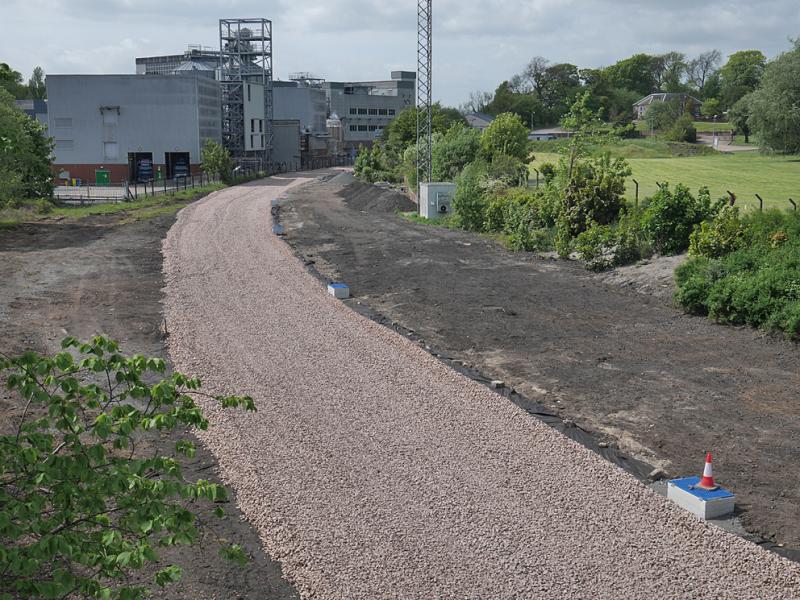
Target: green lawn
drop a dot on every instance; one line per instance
(700, 126)
(776, 178)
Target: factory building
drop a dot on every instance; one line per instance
(366, 108)
(112, 128)
(196, 58)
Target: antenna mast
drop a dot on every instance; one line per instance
(424, 90)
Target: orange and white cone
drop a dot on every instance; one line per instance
(707, 481)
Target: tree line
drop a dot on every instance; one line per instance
(13, 82)
(543, 92)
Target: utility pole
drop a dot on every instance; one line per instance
(424, 90)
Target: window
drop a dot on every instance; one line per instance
(391, 111)
(248, 92)
(383, 111)
(65, 144)
(110, 117)
(110, 150)
(353, 127)
(252, 124)
(362, 111)
(353, 111)
(63, 122)
(362, 128)
(261, 126)
(373, 111)
(373, 127)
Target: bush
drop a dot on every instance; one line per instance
(682, 130)
(548, 171)
(604, 246)
(495, 213)
(693, 280)
(593, 196)
(469, 203)
(217, 161)
(670, 217)
(81, 505)
(524, 221)
(718, 237)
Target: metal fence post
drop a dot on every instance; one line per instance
(760, 203)
(793, 203)
(636, 201)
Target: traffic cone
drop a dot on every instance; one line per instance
(707, 482)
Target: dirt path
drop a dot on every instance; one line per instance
(372, 470)
(663, 386)
(100, 276)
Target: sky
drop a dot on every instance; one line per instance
(477, 45)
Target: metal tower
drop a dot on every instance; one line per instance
(245, 48)
(424, 89)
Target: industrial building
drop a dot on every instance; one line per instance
(196, 58)
(113, 128)
(366, 108)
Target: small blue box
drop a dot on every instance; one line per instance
(706, 504)
(278, 230)
(339, 290)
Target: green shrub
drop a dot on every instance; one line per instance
(670, 217)
(605, 246)
(83, 503)
(594, 195)
(693, 281)
(524, 222)
(682, 130)
(548, 171)
(469, 202)
(718, 237)
(494, 214)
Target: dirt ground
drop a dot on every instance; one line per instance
(607, 352)
(101, 276)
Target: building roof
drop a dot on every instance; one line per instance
(665, 97)
(476, 119)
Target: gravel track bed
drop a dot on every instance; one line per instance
(371, 470)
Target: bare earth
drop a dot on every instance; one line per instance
(371, 470)
(101, 275)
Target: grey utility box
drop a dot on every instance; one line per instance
(436, 199)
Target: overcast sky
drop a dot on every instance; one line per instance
(476, 45)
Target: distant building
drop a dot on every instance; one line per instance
(688, 103)
(478, 120)
(109, 128)
(550, 133)
(36, 109)
(203, 59)
(366, 108)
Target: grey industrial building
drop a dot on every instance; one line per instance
(365, 108)
(104, 126)
(196, 58)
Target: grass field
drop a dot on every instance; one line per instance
(700, 126)
(142, 208)
(776, 178)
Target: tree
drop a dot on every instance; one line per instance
(477, 102)
(402, 132)
(11, 81)
(671, 72)
(25, 154)
(774, 108)
(699, 69)
(455, 150)
(216, 160)
(639, 73)
(37, 89)
(739, 117)
(82, 505)
(661, 116)
(535, 74)
(741, 75)
(505, 135)
(711, 108)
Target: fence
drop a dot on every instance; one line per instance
(125, 191)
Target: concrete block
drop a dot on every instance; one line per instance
(703, 503)
(339, 290)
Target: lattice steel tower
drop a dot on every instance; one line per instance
(245, 48)
(424, 89)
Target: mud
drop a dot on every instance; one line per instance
(609, 353)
